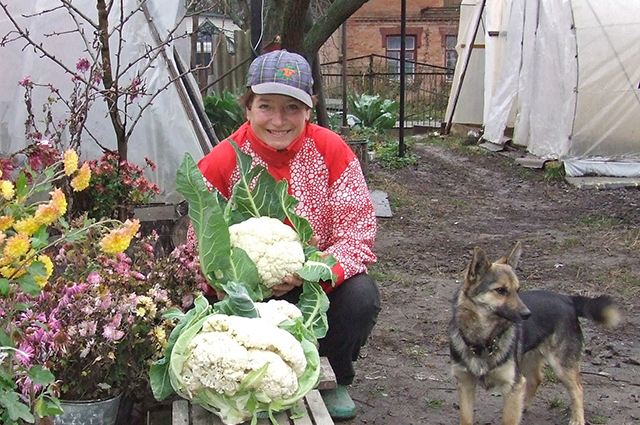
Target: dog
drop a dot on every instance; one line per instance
(501, 338)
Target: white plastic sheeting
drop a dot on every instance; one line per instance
(165, 132)
(569, 82)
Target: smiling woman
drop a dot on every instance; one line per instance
(326, 179)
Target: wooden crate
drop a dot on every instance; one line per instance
(184, 413)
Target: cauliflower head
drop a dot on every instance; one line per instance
(277, 311)
(274, 247)
(230, 347)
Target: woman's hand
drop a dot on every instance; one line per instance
(290, 282)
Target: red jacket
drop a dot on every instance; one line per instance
(325, 177)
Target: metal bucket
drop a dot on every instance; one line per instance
(89, 412)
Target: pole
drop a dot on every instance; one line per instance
(344, 79)
(403, 48)
(256, 27)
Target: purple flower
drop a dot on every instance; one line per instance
(83, 65)
(111, 333)
(94, 278)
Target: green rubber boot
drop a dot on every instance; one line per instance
(339, 403)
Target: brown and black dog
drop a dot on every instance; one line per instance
(501, 338)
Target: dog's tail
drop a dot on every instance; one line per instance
(602, 310)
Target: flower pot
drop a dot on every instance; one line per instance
(89, 412)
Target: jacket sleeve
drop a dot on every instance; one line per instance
(354, 225)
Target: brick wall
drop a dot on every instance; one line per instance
(366, 29)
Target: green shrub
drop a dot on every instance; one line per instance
(373, 112)
(225, 113)
(386, 154)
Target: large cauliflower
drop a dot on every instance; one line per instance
(273, 247)
(230, 347)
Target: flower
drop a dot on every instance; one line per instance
(62, 324)
(7, 189)
(70, 162)
(115, 184)
(81, 181)
(118, 239)
(105, 325)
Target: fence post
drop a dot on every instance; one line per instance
(370, 74)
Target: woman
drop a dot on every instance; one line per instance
(326, 178)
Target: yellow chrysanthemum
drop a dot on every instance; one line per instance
(132, 226)
(81, 181)
(6, 221)
(17, 246)
(28, 225)
(141, 311)
(119, 239)
(7, 189)
(58, 201)
(10, 272)
(48, 265)
(46, 214)
(70, 162)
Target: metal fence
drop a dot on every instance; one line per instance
(426, 86)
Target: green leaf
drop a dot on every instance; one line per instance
(318, 266)
(40, 376)
(48, 407)
(22, 186)
(244, 271)
(253, 378)
(259, 201)
(28, 285)
(37, 269)
(314, 304)
(208, 221)
(267, 198)
(159, 373)
(40, 238)
(5, 285)
(5, 338)
(237, 302)
(14, 407)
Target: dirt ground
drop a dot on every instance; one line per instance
(575, 241)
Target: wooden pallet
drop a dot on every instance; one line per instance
(184, 413)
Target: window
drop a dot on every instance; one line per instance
(450, 53)
(393, 51)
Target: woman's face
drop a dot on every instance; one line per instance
(276, 119)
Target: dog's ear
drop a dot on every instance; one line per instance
(478, 266)
(514, 257)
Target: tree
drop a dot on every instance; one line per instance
(108, 67)
(102, 72)
(302, 26)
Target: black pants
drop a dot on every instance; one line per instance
(353, 311)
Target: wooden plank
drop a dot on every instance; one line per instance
(201, 416)
(306, 419)
(327, 376)
(180, 412)
(317, 408)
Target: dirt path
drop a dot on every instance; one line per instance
(584, 242)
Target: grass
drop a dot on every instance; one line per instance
(434, 403)
(549, 375)
(558, 403)
(598, 420)
(553, 172)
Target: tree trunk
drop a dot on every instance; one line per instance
(111, 88)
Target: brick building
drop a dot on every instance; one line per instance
(431, 32)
